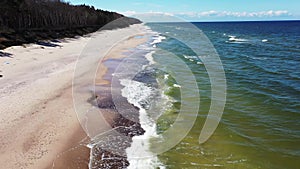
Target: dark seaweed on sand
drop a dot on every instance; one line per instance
(110, 150)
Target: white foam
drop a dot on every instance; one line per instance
(157, 39)
(264, 40)
(234, 39)
(190, 57)
(139, 154)
(237, 39)
(236, 42)
(149, 57)
(176, 85)
(166, 76)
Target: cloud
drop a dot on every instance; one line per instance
(152, 16)
(255, 14)
(214, 15)
(132, 13)
(128, 13)
(160, 13)
(219, 14)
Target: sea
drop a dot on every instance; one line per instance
(241, 78)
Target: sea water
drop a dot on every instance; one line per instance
(260, 126)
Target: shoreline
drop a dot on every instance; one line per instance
(36, 102)
(102, 156)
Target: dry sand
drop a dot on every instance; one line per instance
(39, 127)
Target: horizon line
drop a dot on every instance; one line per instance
(281, 20)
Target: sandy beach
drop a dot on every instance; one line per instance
(39, 127)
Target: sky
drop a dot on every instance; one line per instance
(204, 10)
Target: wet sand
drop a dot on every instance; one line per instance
(109, 151)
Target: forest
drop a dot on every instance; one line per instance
(27, 21)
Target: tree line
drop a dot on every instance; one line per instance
(51, 14)
(28, 21)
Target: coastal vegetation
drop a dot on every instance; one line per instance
(27, 21)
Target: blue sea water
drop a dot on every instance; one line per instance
(260, 127)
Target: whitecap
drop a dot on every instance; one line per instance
(234, 39)
(176, 85)
(149, 57)
(238, 39)
(190, 57)
(237, 42)
(157, 39)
